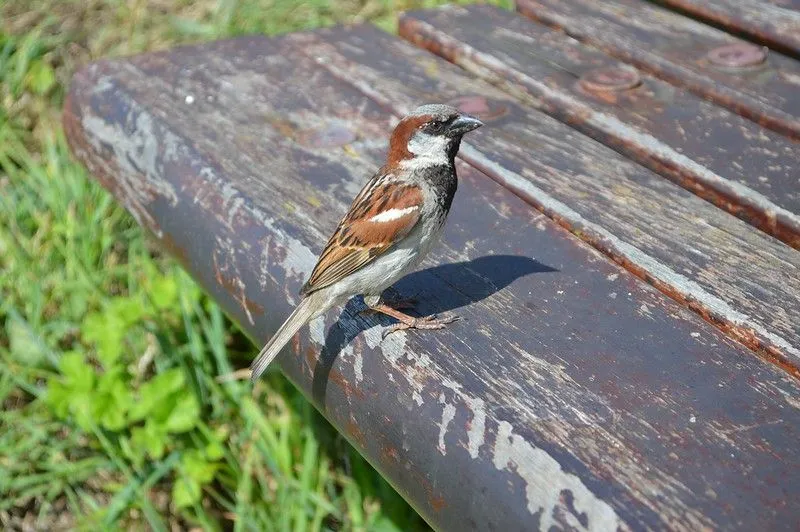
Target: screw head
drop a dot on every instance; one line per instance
(480, 107)
(737, 55)
(608, 79)
(329, 136)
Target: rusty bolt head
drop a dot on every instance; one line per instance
(737, 55)
(329, 136)
(481, 107)
(606, 79)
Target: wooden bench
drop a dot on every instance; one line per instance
(623, 248)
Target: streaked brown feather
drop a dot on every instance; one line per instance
(357, 240)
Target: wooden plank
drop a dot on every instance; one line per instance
(680, 50)
(734, 275)
(554, 403)
(722, 157)
(774, 23)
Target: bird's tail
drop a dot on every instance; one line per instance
(299, 317)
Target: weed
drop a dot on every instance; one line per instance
(110, 418)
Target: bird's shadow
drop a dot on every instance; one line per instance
(464, 283)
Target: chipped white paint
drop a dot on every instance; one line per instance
(477, 426)
(393, 347)
(316, 330)
(142, 150)
(448, 413)
(299, 260)
(545, 480)
(358, 366)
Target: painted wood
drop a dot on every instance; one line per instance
(572, 395)
(675, 48)
(774, 23)
(719, 155)
(736, 276)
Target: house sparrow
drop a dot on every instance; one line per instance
(390, 227)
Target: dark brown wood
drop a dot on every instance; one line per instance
(573, 395)
(717, 154)
(774, 23)
(734, 275)
(675, 48)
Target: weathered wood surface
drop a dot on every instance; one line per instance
(774, 23)
(717, 154)
(573, 395)
(677, 48)
(731, 273)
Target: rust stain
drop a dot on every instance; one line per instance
(737, 55)
(610, 79)
(389, 454)
(437, 503)
(233, 285)
(337, 378)
(355, 433)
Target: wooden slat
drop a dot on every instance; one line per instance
(572, 395)
(733, 274)
(731, 161)
(774, 23)
(676, 48)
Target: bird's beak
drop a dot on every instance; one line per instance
(464, 124)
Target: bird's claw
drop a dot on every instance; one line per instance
(426, 322)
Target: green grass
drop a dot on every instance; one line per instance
(111, 416)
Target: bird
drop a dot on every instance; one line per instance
(389, 228)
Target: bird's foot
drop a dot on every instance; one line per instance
(426, 322)
(396, 302)
(410, 322)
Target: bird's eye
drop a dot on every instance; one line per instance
(435, 126)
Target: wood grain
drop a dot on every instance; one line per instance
(774, 23)
(717, 154)
(573, 395)
(732, 274)
(675, 49)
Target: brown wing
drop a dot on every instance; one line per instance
(383, 213)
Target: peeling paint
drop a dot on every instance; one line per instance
(533, 465)
(137, 155)
(477, 426)
(448, 413)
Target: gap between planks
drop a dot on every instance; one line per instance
(766, 344)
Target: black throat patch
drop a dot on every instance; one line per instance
(444, 182)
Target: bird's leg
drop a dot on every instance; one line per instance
(396, 302)
(410, 322)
